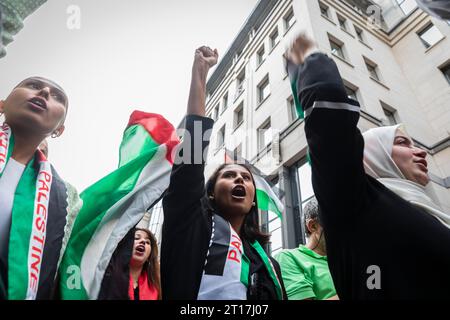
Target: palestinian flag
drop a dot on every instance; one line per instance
(116, 203)
(265, 196)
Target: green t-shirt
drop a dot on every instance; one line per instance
(305, 274)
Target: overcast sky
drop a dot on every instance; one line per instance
(127, 55)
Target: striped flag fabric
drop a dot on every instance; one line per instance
(265, 196)
(116, 203)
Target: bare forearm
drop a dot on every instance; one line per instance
(197, 93)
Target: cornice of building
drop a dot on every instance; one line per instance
(258, 15)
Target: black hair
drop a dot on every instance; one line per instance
(250, 229)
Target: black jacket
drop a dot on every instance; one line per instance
(379, 246)
(186, 230)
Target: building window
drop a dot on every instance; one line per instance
(430, 35)
(306, 191)
(239, 115)
(373, 69)
(274, 38)
(237, 152)
(155, 222)
(446, 71)
(289, 20)
(337, 48)
(260, 56)
(274, 228)
(353, 92)
(359, 34)
(407, 6)
(263, 90)
(324, 10)
(292, 110)
(390, 113)
(240, 83)
(221, 137)
(342, 22)
(264, 135)
(215, 114)
(225, 102)
(271, 223)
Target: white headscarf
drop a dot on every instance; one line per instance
(379, 164)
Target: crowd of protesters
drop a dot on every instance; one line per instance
(373, 210)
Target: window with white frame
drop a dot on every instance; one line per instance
(342, 22)
(324, 10)
(337, 47)
(430, 35)
(264, 135)
(372, 68)
(215, 114)
(221, 137)
(274, 38)
(360, 34)
(240, 83)
(225, 102)
(271, 223)
(263, 89)
(407, 6)
(306, 192)
(156, 221)
(353, 92)
(239, 115)
(289, 19)
(260, 55)
(390, 113)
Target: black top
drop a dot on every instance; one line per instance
(371, 233)
(186, 230)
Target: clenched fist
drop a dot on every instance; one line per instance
(300, 49)
(206, 57)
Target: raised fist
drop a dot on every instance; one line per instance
(300, 48)
(206, 56)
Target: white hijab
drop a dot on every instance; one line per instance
(379, 164)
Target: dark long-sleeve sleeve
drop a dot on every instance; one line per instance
(186, 229)
(335, 143)
(187, 182)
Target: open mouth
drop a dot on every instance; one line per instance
(140, 249)
(238, 192)
(38, 103)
